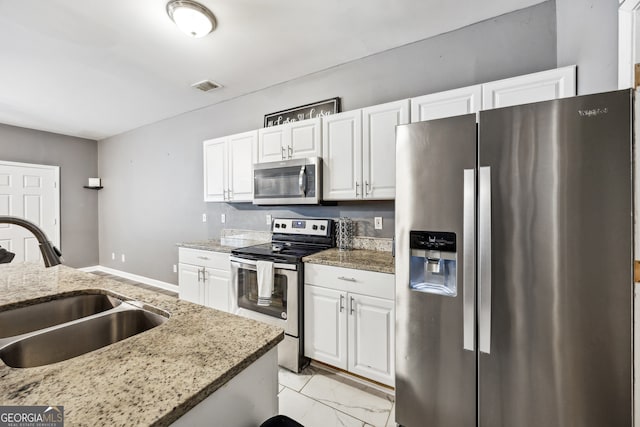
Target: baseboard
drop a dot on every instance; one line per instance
(142, 279)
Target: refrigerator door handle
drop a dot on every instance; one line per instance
(484, 259)
(468, 258)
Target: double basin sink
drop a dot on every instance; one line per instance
(42, 333)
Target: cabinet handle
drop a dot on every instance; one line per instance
(224, 194)
(228, 194)
(366, 188)
(348, 279)
(290, 151)
(357, 186)
(203, 257)
(341, 303)
(350, 305)
(282, 152)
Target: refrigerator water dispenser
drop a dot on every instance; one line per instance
(433, 262)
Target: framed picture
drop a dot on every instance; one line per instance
(309, 111)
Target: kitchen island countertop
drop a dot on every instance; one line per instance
(152, 378)
(359, 259)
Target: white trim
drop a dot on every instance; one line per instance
(57, 239)
(627, 42)
(142, 279)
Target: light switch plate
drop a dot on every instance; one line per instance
(268, 219)
(377, 222)
(204, 217)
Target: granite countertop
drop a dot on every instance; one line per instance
(359, 259)
(152, 378)
(224, 245)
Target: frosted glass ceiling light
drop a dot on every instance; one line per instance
(191, 17)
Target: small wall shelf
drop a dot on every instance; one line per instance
(93, 188)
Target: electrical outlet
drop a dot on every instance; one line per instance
(175, 268)
(223, 218)
(204, 217)
(268, 219)
(122, 257)
(377, 222)
(113, 256)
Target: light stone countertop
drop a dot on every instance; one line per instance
(359, 259)
(152, 378)
(224, 245)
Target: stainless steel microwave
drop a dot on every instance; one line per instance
(288, 182)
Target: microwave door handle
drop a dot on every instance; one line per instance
(302, 180)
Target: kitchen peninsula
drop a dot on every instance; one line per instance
(157, 377)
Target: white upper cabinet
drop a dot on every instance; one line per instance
(449, 103)
(215, 169)
(342, 156)
(542, 86)
(379, 148)
(359, 152)
(290, 141)
(228, 167)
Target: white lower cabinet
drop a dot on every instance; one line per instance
(349, 320)
(203, 278)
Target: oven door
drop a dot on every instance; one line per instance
(283, 311)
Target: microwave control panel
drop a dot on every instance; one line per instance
(313, 227)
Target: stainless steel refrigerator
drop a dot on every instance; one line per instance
(514, 285)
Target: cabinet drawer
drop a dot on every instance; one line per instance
(381, 285)
(218, 260)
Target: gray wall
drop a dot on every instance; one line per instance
(153, 175)
(588, 38)
(78, 160)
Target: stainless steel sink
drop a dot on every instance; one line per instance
(69, 326)
(65, 342)
(42, 315)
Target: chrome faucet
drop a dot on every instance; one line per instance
(50, 254)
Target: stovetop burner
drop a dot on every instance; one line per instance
(292, 240)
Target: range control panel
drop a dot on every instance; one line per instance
(433, 240)
(313, 227)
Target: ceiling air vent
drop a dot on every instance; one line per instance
(205, 85)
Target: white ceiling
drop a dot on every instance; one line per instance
(97, 68)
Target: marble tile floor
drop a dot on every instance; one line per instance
(133, 282)
(320, 398)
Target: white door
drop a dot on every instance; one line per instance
(372, 338)
(215, 170)
(272, 144)
(304, 139)
(342, 156)
(242, 150)
(31, 192)
(542, 86)
(379, 148)
(449, 103)
(217, 289)
(325, 325)
(189, 288)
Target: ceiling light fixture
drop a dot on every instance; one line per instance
(191, 17)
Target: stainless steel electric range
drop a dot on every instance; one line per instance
(292, 239)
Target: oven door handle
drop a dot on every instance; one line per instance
(250, 264)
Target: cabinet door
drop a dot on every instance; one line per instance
(325, 326)
(542, 86)
(379, 148)
(449, 103)
(304, 139)
(189, 285)
(271, 143)
(372, 338)
(342, 156)
(215, 169)
(216, 289)
(242, 155)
